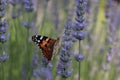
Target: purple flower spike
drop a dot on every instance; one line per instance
(3, 38)
(4, 57)
(28, 5)
(42, 74)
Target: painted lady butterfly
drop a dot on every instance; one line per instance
(48, 45)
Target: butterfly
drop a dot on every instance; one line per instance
(49, 46)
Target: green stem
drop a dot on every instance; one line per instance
(2, 70)
(29, 71)
(79, 62)
(79, 71)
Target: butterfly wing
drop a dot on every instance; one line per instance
(47, 45)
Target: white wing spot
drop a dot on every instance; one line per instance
(41, 37)
(38, 40)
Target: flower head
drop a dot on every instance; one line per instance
(4, 57)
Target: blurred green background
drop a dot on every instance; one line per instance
(95, 47)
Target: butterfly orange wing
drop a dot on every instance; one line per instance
(48, 46)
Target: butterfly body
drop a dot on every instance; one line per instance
(48, 45)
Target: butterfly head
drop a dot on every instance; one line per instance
(36, 39)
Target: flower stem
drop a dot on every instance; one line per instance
(2, 71)
(79, 62)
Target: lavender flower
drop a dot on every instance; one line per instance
(112, 36)
(3, 24)
(79, 24)
(4, 57)
(79, 57)
(3, 38)
(64, 60)
(78, 27)
(35, 60)
(28, 5)
(79, 35)
(44, 62)
(2, 8)
(42, 74)
(14, 2)
(28, 25)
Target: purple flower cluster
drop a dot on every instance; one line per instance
(79, 24)
(64, 60)
(3, 29)
(3, 24)
(41, 72)
(44, 73)
(16, 10)
(28, 5)
(112, 37)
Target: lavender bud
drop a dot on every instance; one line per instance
(14, 2)
(27, 25)
(50, 66)
(65, 74)
(4, 57)
(3, 26)
(78, 26)
(68, 73)
(28, 5)
(44, 62)
(79, 57)
(67, 45)
(79, 35)
(3, 38)
(2, 7)
(67, 32)
(43, 73)
(67, 26)
(65, 58)
(2, 29)
(109, 58)
(80, 19)
(67, 38)
(2, 13)
(63, 65)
